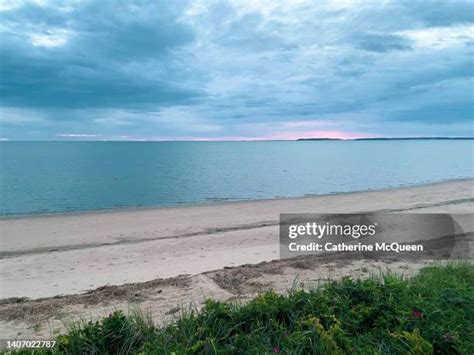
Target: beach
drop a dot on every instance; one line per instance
(73, 253)
(246, 177)
(179, 255)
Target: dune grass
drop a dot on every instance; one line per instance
(431, 313)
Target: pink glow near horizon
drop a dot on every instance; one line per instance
(294, 136)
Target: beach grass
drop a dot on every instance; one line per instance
(430, 313)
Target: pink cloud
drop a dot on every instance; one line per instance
(293, 135)
(321, 134)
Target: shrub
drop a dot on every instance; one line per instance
(431, 313)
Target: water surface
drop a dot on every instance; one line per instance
(48, 177)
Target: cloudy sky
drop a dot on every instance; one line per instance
(164, 70)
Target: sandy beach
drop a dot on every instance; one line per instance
(179, 255)
(73, 253)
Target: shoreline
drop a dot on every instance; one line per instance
(84, 266)
(212, 202)
(69, 254)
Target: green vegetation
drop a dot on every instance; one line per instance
(431, 313)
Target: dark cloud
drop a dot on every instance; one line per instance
(109, 49)
(208, 68)
(381, 42)
(437, 113)
(441, 12)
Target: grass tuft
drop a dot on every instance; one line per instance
(431, 313)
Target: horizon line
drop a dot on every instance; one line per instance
(200, 140)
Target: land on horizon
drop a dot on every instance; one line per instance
(251, 140)
(383, 138)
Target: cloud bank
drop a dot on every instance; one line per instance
(211, 70)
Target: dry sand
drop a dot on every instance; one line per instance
(168, 257)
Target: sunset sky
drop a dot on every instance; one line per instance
(230, 70)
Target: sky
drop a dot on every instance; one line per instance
(235, 70)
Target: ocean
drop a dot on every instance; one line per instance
(52, 177)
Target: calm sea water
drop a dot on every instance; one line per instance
(45, 177)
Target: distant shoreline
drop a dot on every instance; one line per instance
(6, 140)
(387, 139)
(126, 209)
